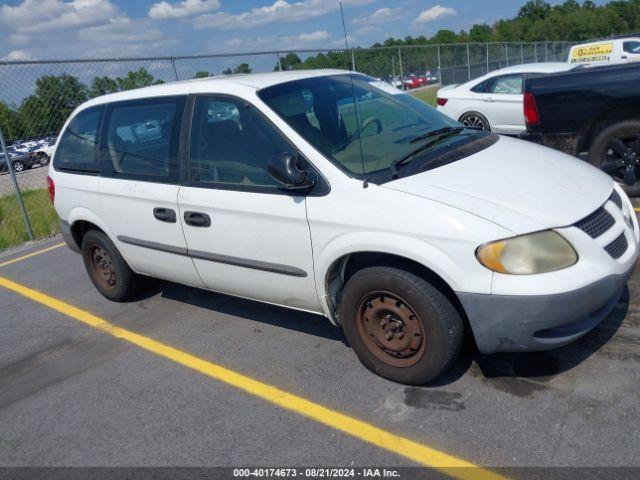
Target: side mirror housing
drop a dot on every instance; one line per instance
(283, 168)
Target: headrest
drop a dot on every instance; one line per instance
(290, 104)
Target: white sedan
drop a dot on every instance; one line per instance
(494, 102)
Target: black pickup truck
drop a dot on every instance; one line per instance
(593, 110)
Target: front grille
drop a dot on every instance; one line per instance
(597, 223)
(615, 198)
(617, 248)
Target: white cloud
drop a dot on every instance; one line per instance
(381, 15)
(434, 13)
(316, 36)
(186, 8)
(40, 16)
(18, 55)
(280, 10)
(122, 37)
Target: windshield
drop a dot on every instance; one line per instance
(362, 127)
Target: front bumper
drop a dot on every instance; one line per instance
(520, 323)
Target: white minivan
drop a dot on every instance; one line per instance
(337, 194)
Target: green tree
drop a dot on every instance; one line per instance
(290, 61)
(227, 71)
(243, 68)
(137, 79)
(102, 86)
(202, 74)
(480, 33)
(8, 122)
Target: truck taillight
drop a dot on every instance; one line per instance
(530, 109)
(441, 101)
(52, 189)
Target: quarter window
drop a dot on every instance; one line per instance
(231, 144)
(142, 139)
(78, 149)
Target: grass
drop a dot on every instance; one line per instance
(428, 95)
(42, 216)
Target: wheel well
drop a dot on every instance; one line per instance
(605, 120)
(79, 230)
(343, 269)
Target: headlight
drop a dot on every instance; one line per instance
(539, 252)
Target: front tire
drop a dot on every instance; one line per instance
(18, 166)
(475, 120)
(616, 151)
(400, 326)
(107, 269)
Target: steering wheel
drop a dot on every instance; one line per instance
(366, 123)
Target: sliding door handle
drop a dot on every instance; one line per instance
(165, 215)
(197, 219)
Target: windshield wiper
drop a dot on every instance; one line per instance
(437, 132)
(440, 134)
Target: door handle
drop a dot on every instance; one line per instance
(165, 215)
(197, 219)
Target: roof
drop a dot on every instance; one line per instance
(216, 84)
(541, 67)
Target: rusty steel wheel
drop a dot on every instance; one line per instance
(102, 269)
(391, 329)
(386, 314)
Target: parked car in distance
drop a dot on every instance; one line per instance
(594, 111)
(44, 152)
(402, 229)
(494, 101)
(617, 50)
(20, 161)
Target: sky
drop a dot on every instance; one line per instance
(65, 29)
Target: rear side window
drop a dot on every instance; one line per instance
(505, 84)
(78, 149)
(142, 139)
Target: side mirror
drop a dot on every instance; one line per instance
(283, 169)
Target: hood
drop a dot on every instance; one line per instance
(518, 185)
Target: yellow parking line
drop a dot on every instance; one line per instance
(414, 451)
(32, 254)
(637, 209)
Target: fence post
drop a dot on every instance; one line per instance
(175, 70)
(487, 57)
(522, 53)
(393, 68)
(16, 187)
(279, 63)
(400, 66)
(468, 63)
(506, 52)
(439, 68)
(546, 52)
(535, 47)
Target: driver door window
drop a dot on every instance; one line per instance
(231, 145)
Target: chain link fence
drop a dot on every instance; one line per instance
(37, 97)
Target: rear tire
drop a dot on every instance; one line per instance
(107, 269)
(602, 156)
(400, 326)
(475, 120)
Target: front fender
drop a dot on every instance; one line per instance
(473, 278)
